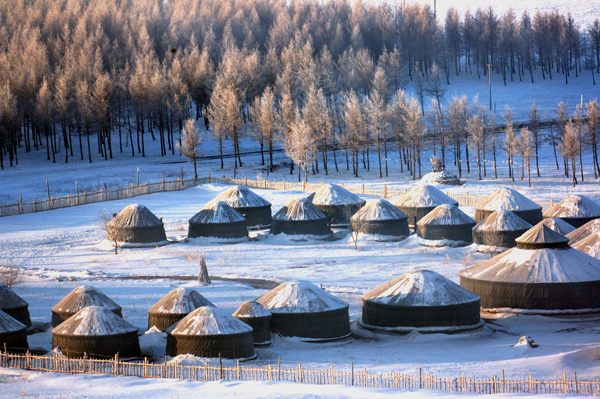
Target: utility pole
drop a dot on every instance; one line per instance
(490, 83)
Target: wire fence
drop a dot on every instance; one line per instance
(105, 194)
(326, 376)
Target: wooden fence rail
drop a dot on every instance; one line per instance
(105, 194)
(326, 376)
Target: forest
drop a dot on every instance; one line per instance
(320, 78)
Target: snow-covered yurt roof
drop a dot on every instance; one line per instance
(424, 196)
(135, 215)
(379, 209)
(541, 236)
(241, 197)
(299, 209)
(300, 297)
(94, 321)
(574, 206)
(507, 199)
(83, 296)
(181, 300)
(420, 288)
(332, 194)
(583, 232)
(502, 221)
(446, 214)
(209, 320)
(589, 245)
(10, 300)
(559, 225)
(251, 309)
(217, 212)
(9, 324)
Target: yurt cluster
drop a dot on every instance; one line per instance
(547, 263)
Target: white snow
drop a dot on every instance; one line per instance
(299, 209)
(590, 228)
(574, 206)
(424, 196)
(558, 225)
(332, 194)
(300, 297)
(446, 215)
(94, 321)
(217, 212)
(378, 209)
(153, 343)
(251, 309)
(507, 199)
(84, 296)
(209, 320)
(241, 197)
(502, 221)
(420, 288)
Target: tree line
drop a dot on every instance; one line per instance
(313, 75)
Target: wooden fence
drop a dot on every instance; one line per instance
(105, 194)
(299, 374)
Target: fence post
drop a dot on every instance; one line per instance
(116, 364)
(503, 382)
(564, 383)
(84, 362)
(363, 188)
(27, 360)
(237, 371)
(145, 367)
(385, 191)
(576, 387)
(299, 372)
(138, 176)
(209, 177)
(56, 362)
(175, 369)
(352, 370)
(278, 368)
(220, 367)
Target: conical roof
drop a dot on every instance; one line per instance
(577, 206)
(209, 320)
(541, 236)
(84, 296)
(300, 297)
(589, 245)
(507, 199)
(299, 209)
(10, 300)
(241, 197)
(9, 324)
(217, 212)
(420, 288)
(135, 215)
(424, 196)
(502, 221)
(332, 194)
(251, 309)
(379, 209)
(181, 300)
(583, 232)
(446, 215)
(559, 225)
(94, 321)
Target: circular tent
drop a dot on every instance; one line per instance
(500, 229)
(590, 228)
(421, 200)
(558, 225)
(174, 306)
(257, 317)
(12, 333)
(254, 208)
(14, 305)
(300, 309)
(337, 203)
(576, 210)
(381, 218)
(136, 224)
(209, 331)
(446, 222)
(542, 273)
(219, 220)
(507, 199)
(421, 300)
(78, 299)
(300, 217)
(98, 332)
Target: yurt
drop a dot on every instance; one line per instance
(421, 200)
(576, 210)
(174, 306)
(136, 224)
(301, 309)
(209, 332)
(447, 222)
(12, 334)
(589, 245)
(559, 225)
(420, 300)
(300, 217)
(507, 199)
(14, 305)
(97, 332)
(218, 220)
(337, 203)
(256, 316)
(78, 299)
(500, 229)
(581, 233)
(253, 207)
(542, 273)
(381, 219)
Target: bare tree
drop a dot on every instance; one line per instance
(509, 140)
(569, 147)
(476, 128)
(593, 126)
(526, 147)
(534, 124)
(10, 274)
(191, 138)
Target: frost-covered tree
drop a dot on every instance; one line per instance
(569, 147)
(188, 146)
